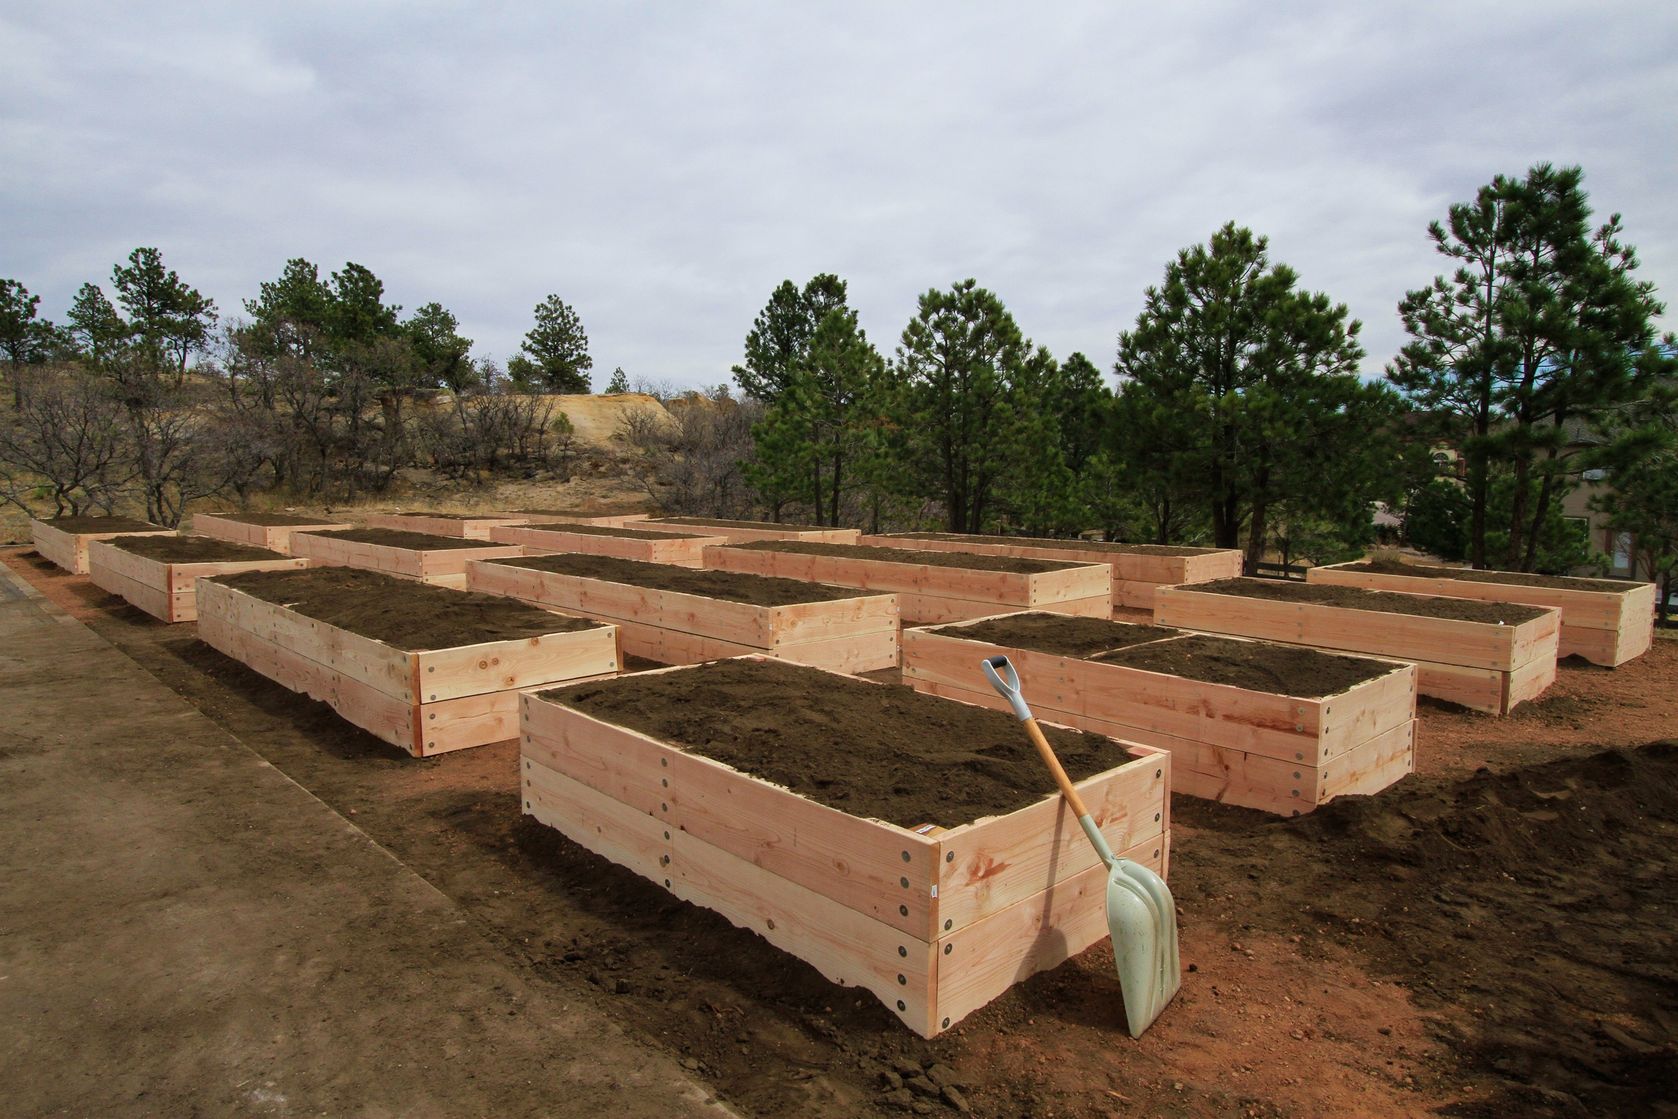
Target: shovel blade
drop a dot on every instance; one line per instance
(1142, 920)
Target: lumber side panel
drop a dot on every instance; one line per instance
(736, 534)
(474, 720)
(1478, 689)
(182, 578)
(496, 666)
(223, 528)
(610, 759)
(865, 615)
(58, 547)
(591, 819)
(1591, 609)
(1527, 682)
(130, 565)
(1371, 766)
(1034, 934)
(868, 652)
(158, 603)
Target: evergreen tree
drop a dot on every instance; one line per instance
(619, 382)
(554, 357)
(169, 319)
(778, 345)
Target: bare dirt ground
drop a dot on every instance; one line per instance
(1468, 943)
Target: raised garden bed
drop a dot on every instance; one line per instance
(466, 526)
(612, 517)
(1249, 723)
(260, 530)
(1605, 621)
(424, 668)
(744, 532)
(64, 540)
(1138, 569)
(678, 615)
(159, 573)
(1488, 656)
(685, 549)
(931, 586)
(896, 842)
(440, 560)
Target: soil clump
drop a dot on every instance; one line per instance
(964, 560)
(1509, 578)
(402, 613)
(1380, 602)
(1258, 666)
(730, 586)
(1079, 545)
(1060, 635)
(102, 524)
(608, 530)
(414, 541)
(875, 750)
(191, 549)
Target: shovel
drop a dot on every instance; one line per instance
(1141, 917)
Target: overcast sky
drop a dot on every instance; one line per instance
(662, 166)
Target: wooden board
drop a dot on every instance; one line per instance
(467, 528)
(445, 567)
(68, 550)
(847, 635)
(681, 551)
(1238, 746)
(1603, 627)
(606, 520)
(276, 538)
(426, 702)
(166, 591)
(928, 593)
(746, 534)
(935, 924)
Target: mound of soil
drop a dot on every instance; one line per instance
(102, 524)
(909, 555)
(1382, 602)
(402, 613)
(607, 530)
(737, 524)
(756, 590)
(876, 750)
(1060, 635)
(1508, 578)
(190, 549)
(1079, 545)
(413, 541)
(1258, 666)
(274, 520)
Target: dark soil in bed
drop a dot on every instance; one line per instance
(963, 560)
(1080, 545)
(274, 520)
(102, 524)
(1509, 578)
(703, 521)
(1383, 602)
(1255, 665)
(414, 541)
(400, 612)
(755, 590)
(1058, 634)
(191, 549)
(875, 750)
(608, 530)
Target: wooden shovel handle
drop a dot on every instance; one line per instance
(1047, 753)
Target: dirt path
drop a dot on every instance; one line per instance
(1414, 952)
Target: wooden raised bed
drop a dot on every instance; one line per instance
(64, 540)
(935, 922)
(1480, 664)
(682, 549)
(424, 700)
(1237, 744)
(745, 532)
(259, 530)
(569, 516)
(166, 585)
(439, 560)
(466, 526)
(818, 626)
(1605, 621)
(931, 586)
(1138, 569)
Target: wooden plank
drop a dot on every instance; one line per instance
(467, 528)
(68, 550)
(275, 538)
(591, 819)
(1033, 934)
(678, 550)
(494, 666)
(1372, 766)
(746, 534)
(153, 600)
(1527, 682)
(1580, 606)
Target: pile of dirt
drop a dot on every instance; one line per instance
(81, 525)
(1541, 898)
(1060, 635)
(755, 590)
(1508, 578)
(190, 549)
(401, 612)
(607, 530)
(1383, 602)
(1078, 545)
(875, 750)
(274, 520)
(1258, 666)
(963, 560)
(413, 541)
(718, 521)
